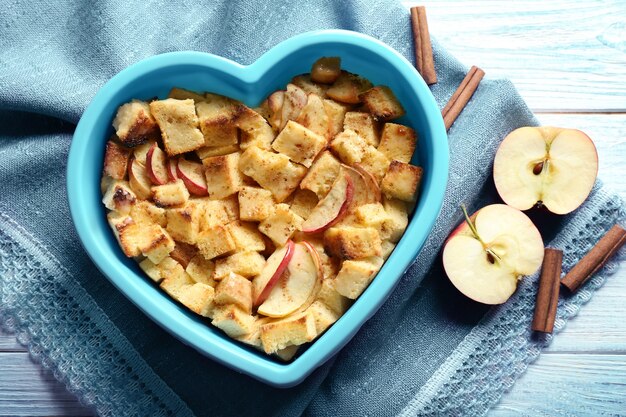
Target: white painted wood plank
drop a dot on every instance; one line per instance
(561, 55)
(8, 343)
(568, 385)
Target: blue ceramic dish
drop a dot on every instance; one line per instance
(251, 84)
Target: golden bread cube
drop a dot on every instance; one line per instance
(144, 212)
(234, 289)
(388, 247)
(372, 215)
(375, 162)
(125, 231)
(356, 275)
(348, 87)
(209, 151)
(336, 113)
(401, 181)
(184, 223)
(212, 212)
(201, 270)
(394, 227)
(382, 103)
(254, 337)
(151, 270)
(198, 298)
(398, 142)
(179, 125)
(293, 330)
(255, 131)
(134, 123)
(326, 69)
(119, 197)
(322, 174)
(222, 175)
(231, 206)
(349, 146)
(246, 236)
(171, 194)
(364, 125)
(216, 115)
(304, 201)
(281, 225)
(306, 84)
(183, 253)
(331, 298)
(323, 316)
(352, 242)
(156, 243)
(182, 94)
(287, 353)
(299, 143)
(255, 204)
(314, 117)
(215, 242)
(233, 320)
(175, 280)
(116, 160)
(247, 264)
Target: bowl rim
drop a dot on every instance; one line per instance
(220, 347)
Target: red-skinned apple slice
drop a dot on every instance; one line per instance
(139, 180)
(361, 194)
(332, 208)
(296, 287)
(545, 166)
(156, 165)
(485, 258)
(192, 175)
(172, 165)
(274, 268)
(371, 182)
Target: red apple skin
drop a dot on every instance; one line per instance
(193, 187)
(172, 167)
(342, 211)
(151, 169)
(462, 226)
(276, 277)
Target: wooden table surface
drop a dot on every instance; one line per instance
(568, 60)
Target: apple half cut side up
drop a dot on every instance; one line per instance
(545, 166)
(485, 258)
(156, 164)
(332, 208)
(273, 270)
(192, 174)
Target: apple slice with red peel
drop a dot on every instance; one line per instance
(372, 184)
(361, 194)
(274, 268)
(545, 166)
(296, 287)
(156, 165)
(333, 207)
(192, 174)
(485, 258)
(172, 165)
(139, 179)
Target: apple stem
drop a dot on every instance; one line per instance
(491, 255)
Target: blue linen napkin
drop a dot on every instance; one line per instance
(428, 351)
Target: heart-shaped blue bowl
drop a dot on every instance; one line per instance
(251, 84)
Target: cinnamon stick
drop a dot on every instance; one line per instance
(462, 96)
(423, 49)
(595, 258)
(548, 292)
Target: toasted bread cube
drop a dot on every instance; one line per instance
(401, 181)
(151, 270)
(144, 212)
(398, 142)
(134, 123)
(215, 242)
(255, 131)
(372, 215)
(234, 289)
(388, 247)
(156, 243)
(355, 276)
(375, 162)
(231, 206)
(382, 103)
(127, 233)
(293, 330)
(198, 298)
(201, 270)
(394, 227)
(222, 175)
(314, 117)
(175, 280)
(119, 197)
(299, 143)
(336, 114)
(326, 70)
(212, 213)
(182, 94)
(255, 204)
(309, 86)
(171, 194)
(364, 125)
(246, 236)
(247, 264)
(322, 174)
(184, 223)
(272, 171)
(179, 125)
(348, 87)
(233, 320)
(169, 266)
(116, 160)
(254, 337)
(216, 115)
(323, 315)
(209, 151)
(287, 353)
(304, 201)
(281, 224)
(331, 298)
(183, 253)
(294, 100)
(349, 146)
(352, 242)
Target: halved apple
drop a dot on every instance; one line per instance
(139, 180)
(372, 184)
(491, 251)
(156, 165)
(296, 287)
(274, 268)
(172, 165)
(192, 174)
(545, 166)
(333, 207)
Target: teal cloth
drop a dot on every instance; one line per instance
(428, 351)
